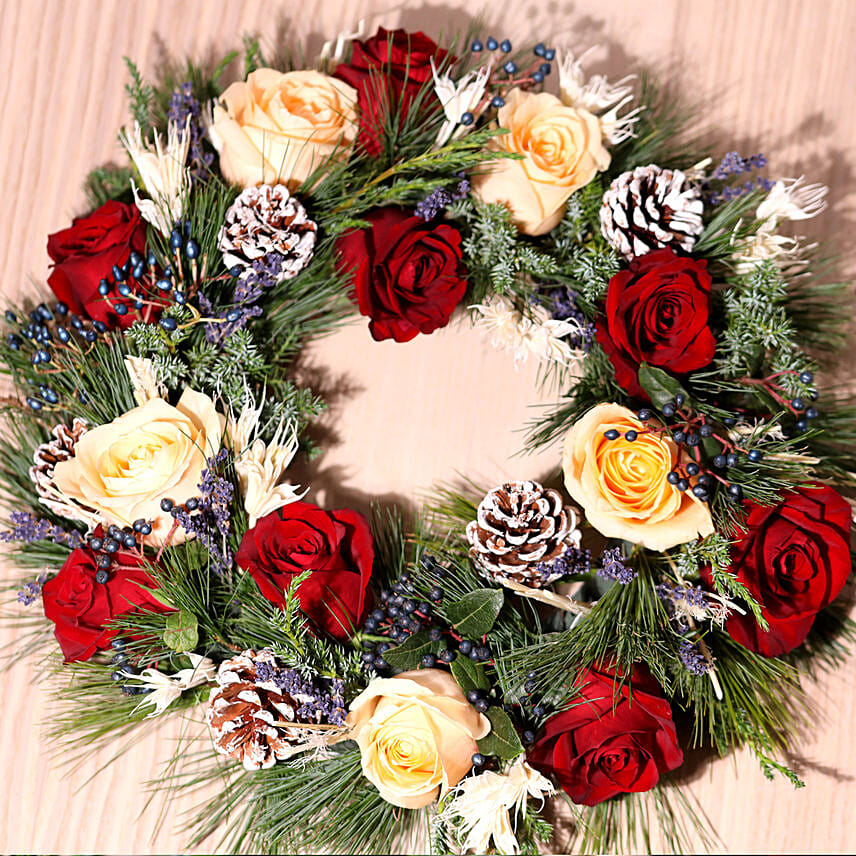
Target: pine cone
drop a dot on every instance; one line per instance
(651, 208)
(45, 459)
(521, 531)
(264, 220)
(247, 710)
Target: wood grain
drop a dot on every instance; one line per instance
(774, 75)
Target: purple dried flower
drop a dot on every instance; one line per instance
(612, 567)
(693, 659)
(322, 699)
(440, 199)
(27, 528)
(564, 308)
(184, 105)
(31, 591)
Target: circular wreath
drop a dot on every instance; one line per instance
(361, 677)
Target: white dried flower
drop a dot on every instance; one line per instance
(484, 805)
(597, 95)
(163, 171)
(767, 245)
(260, 466)
(333, 50)
(141, 371)
(458, 98)
(790, 199)
(168, 688)
(543, 338)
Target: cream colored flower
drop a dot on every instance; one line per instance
(141, 371)
(458, 98)
(485, 804)
(542, 337)
(165, 177)
(125, 468)
(790, 199)
(168, 688)
(622, 485)
(597, 95)
(562, 150)
(417, 735)
(280, 127)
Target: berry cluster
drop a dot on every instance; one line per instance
(401, 613)
(125, 669)
(106, 546)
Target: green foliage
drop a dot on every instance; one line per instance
(139, 95)
(502, 740)
(181, 631)
(107, 182)
(498, 258)
(253, 57)
(474, 614)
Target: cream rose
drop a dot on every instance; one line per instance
(125, 468)
(563, 151)
(417, 735)
(623, 485)
(280, 127)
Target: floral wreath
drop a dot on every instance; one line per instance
(366, 684)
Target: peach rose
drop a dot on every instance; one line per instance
(280, 127)
(125, 468)
(563, 151)
(622, 485)
(417, 735)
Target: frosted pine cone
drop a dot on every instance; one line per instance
(250, 710)
(265, 220)
(521, 532)
(45, 459)
(650, 208)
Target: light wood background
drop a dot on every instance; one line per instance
(775, 75)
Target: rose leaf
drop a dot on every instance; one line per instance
(409, 654)
(660, 386)
(502, 740)
(181, 632)
(469, 675)
(473, 615)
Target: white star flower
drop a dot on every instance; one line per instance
(168, 688)
(790, 199)
(458, 98)
(163, 172)
(484, 804)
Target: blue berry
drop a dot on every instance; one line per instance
(538, 77)
(483, 653)
(539, 710)
(436, 594)
(540, 49)
(678, 435)
(673, 477)
(492, 43)
(467, 118)
(497, 101)
(168, 324)
(693, 439)
(806, 377)
(146, 529)
(435, 634)
(11, 317)
(528, 737)
(802, 424)
(682, 485)
(529, 686)
(236, 271)
(100, 326)
(103, 561)
(429, 661)
(510, 67)
(192, 504)
(693, 468)
(550, 54)
(96, 544)
(118, 274)
(101, 576)
(735, 490)
(720, 461)
(812, 413)
(680, 398)
(732, 460)
(466, 646)
(476, 46)
(545, 68)
(129, 541)
(368, 657)
(481, 705)
(166, 504)
(645, 414)
(111, 545)
(706, 430)
(151, 261)
(124, 289)
(164, 284)
(668, 409)
(180, 298)
(505, 46)
(755, 455)
(191, 249)
(798, 404)
(630, 436)
(120, 309)
(447, 656)
(479, 760)
(175, 239)
(612, 434)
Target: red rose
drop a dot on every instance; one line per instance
(794, 558)
(608, 743)
(389, 71)
(336, 546)
(657, 312)
(85, 253)
(407, 274)
(81, 608)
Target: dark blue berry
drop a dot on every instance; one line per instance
(473, 696)
(96, 544)
(164, 284)
(481, 705)
(529, 686)
(755, 455)
(550, 54)
(811, 413)
(645, 414)
(612, 434)
(673, 477)
(630, 436)
(540, 49)
(191, 250)
(802, 424)
(538, 77)
(466, 646)
(369, 657)
(719, 461)
(175, 239)
(693, 468)
(117, 676)
(732, 459)
(539, 710)
(447, 656)
(497, 101)
(528, 737)
(729, 421)
(166, 505)
(680, 398)
(380, 664)
(693, 439)
(545, 68)
(798, 404)
(510, 67)
(129, 541)
(429, 661)
(476, 46)
(111, 545)
(479, 760)
(168, 324)
(492, 43)
(101, 577)
(668, 409)
(678, 435)
(483, 653)
(682, 485)
(192, 504)
(735, 490)
(435, 634)
(180, 298)
(706, 430)
(467, 118)
(371, 625)
(436, 594)
(806, 377)
(505, 46)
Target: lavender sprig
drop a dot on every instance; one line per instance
(693, 658)
(563, 307)
(27, 528)
(440, 199)
(319, 703)
(32, 590)
(612, 567)
(183, 105)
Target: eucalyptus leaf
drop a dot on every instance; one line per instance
(474, 614)
(502, 740)
(181, 632)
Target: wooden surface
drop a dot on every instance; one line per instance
(775, 76)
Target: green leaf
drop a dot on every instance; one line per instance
(181, 632)
(473, 615)
(469, 675)
(660, 386)
(502, 739)
(409, 654)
